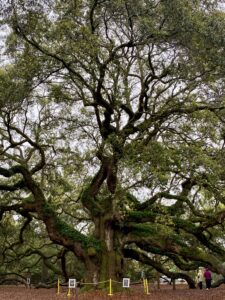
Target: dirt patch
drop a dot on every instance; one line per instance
(165, 293)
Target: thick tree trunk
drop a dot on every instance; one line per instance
(108, 263)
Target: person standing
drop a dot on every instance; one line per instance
(200, 278)
(208, 278)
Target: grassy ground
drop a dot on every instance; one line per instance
(165, 293)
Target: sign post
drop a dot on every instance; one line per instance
(72, 285)
(28, 282)
(126, 282)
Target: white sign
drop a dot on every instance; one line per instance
(72, 283)
(28, 280)
(126, 282)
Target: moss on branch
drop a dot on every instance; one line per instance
(64, 230)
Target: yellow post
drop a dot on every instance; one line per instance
(110, 287)
(69, 294)
(58, 287)
(144, 283)
(147, 292)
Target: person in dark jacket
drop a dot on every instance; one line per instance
(208, 278)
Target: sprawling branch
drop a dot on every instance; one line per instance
(144, 258)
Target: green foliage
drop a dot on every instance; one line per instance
(140, 215)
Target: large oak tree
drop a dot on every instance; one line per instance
(112, 130)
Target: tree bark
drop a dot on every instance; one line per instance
(110, 259)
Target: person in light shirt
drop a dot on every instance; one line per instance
(200, 278)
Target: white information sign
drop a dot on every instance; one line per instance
(126, 282)
(72, 283)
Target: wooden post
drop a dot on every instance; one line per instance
(58, 287)
(174, 284)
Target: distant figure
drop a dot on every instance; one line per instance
(208, 278)
(200, 278)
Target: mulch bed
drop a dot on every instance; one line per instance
(165, 293)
